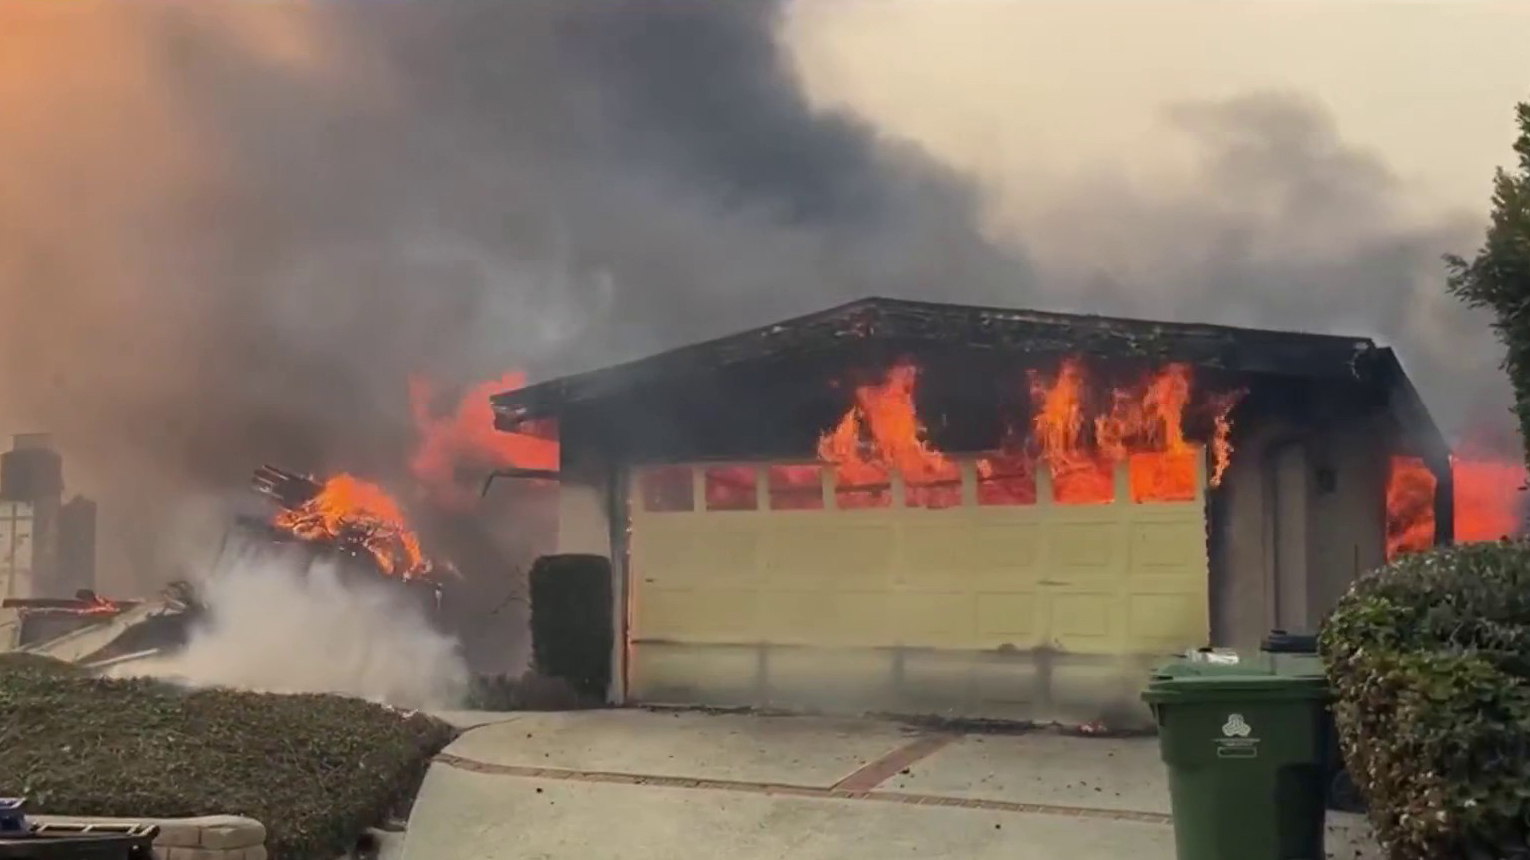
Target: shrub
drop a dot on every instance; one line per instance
(571, 621)
(1430, 661)
(529, 692)
(315, 770)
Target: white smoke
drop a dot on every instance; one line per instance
(272, 627)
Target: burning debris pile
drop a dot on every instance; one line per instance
(356, 517)
(94, 630)
(1078, 432)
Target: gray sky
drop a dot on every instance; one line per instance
(1019, 91)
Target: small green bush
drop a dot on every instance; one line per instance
(571, 621)
(315, 770)
(1430, 661)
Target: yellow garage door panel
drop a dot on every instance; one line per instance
(824, 617)
(697, 615)
(1009, 619)
(1167, 544)
(695, 555)
(928, 619)
(1161, 618)
(914, 599)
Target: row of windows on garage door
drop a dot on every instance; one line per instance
(993, 480)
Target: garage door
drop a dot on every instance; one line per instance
(767, 585)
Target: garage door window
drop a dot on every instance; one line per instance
(667, 489)
(1005, 479)
(1165, 477)
(940, 486)
(732, 488)
(795, 488)
(862, 488)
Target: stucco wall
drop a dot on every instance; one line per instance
(1342, 532)
(585, 527)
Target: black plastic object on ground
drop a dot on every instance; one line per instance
(13, 814)
(80, 842)
(572, 634)
(1281, 642)
(1341, 794)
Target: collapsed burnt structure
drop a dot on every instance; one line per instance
(332, 521)
(756, 564)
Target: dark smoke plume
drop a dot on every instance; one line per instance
(228, 232)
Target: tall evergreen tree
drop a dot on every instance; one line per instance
(1498, 277)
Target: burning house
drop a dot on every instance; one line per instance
(922, 508)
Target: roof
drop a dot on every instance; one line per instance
(910, 323)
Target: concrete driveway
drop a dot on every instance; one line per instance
(637, 784)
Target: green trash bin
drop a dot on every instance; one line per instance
(1245, 745)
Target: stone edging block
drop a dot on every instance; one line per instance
(207, 837)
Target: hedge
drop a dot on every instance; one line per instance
(571, 621)
(1430, 661)
(316, 770)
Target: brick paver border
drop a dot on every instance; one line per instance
(857, 786)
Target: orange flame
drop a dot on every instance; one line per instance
(465, 439)
(881, 430)
(1488, 501)
(1143, 427)
(352, 513)
(1410, 506)
(98, 605)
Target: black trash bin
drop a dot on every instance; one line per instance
(39, 843)
(1342, 796)
(24, 840)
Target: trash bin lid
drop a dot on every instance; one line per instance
(1263, 676)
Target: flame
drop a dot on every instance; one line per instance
(1144, 427)
(882, 430)
(353, 513)
(97, 605)
(1410, 506)
(1080, 445)
(465, 439)
(1487, 499)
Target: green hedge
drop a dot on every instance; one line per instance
(572, 632)
(1430, 660)
(315, 770)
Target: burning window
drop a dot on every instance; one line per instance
(862, 488)
(731, 488)
(667, 489)
(935, 486)
(1082, 432)
(795, 488)
(1082, 481)
(1410, 506)
(1489, 502)
(1168, 476)
(1006, 479)
(880, 432)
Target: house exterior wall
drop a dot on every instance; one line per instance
(589, 524)
(1340, 533)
